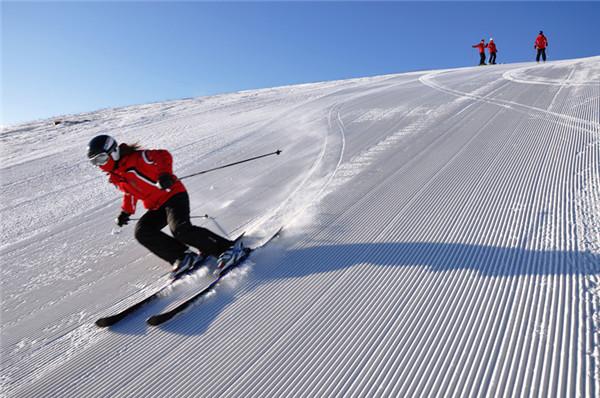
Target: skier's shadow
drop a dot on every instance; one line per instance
(276, 263)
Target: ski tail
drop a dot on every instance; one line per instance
(113, 319)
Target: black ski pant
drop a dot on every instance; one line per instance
(481, 58)
(176, 213)
(492, 58)
(541, 52)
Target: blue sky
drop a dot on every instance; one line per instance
(60, 58)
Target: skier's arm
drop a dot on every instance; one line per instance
(129, 203)
(162, 160)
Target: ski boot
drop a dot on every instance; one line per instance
(184, 264)
(231, 255)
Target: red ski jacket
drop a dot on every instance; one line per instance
(541, 42)
(480, 47)
(136, 174)
(491, 47)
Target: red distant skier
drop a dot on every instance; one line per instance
(481, 48)
(491, 46)
(541, 42)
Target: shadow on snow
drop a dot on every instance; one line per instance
(277, 264)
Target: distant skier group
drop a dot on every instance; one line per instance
(491, 46)
(541, 42)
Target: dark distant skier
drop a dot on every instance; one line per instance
(481, 48)
(491, 46)
(147, 175)
(541, 42)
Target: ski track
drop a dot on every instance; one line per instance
(442, 239)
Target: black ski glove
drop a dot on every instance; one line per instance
(122, 219)
(166, 181)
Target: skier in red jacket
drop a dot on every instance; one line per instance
(541, 42)
(481, 48)
(147, 175)
(491, 46)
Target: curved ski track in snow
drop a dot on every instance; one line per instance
(442, 239)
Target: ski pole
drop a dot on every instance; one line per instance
(277, 152)
(117, 230)
(204, 216)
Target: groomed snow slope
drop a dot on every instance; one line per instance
(442, 239)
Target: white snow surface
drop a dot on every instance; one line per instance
(442, 238)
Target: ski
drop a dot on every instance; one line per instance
(165, 316)
(112, 319)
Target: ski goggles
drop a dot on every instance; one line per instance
(100, 159)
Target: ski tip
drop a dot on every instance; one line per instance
(155, 320)
(102, 323)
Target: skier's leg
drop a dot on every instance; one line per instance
(178, 217)
(544, 54)
(148, 233)
(537, 58)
